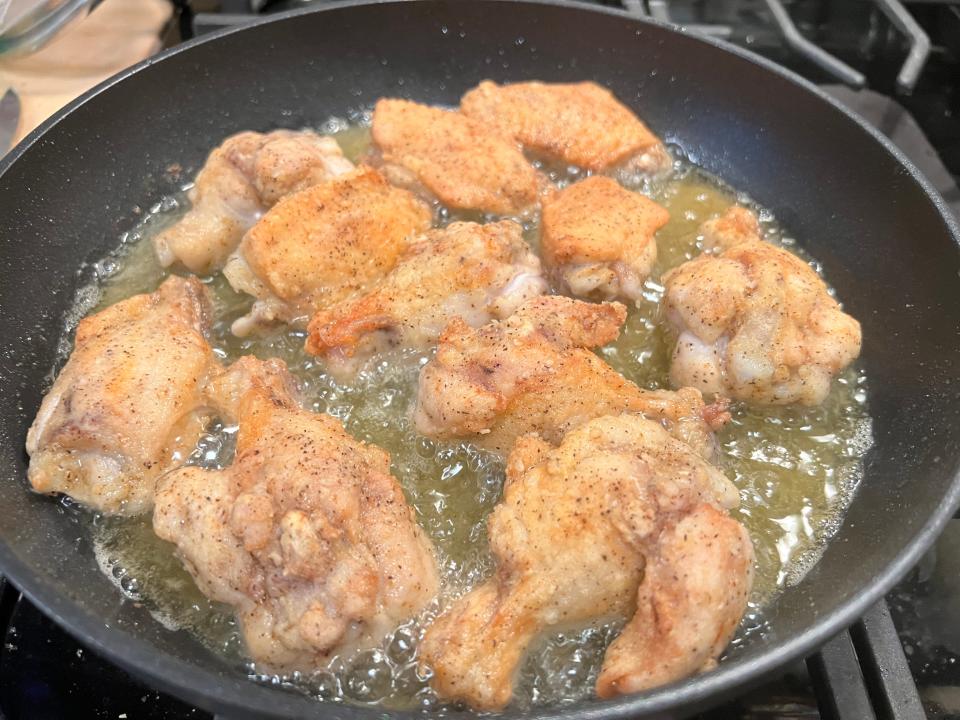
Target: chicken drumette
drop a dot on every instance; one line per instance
(619, 518)
(755, 322)
(306, 535)
(598, 238)
(128, 405)
(576, 123)
(476, 272)
(317, 246)
(533, 372)
(248, 173)
(458, 160)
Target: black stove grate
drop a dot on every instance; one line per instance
(863, 672)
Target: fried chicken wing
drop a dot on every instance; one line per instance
(619, 515)
(576, 123)
(598, 238)
(755, 322)
(692, 597)
(307, 534)
(458, 160)
(317, 246)
(128, 405)
(473, 271)
(244, 176)
(533, 372)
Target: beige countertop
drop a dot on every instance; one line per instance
(116, 35)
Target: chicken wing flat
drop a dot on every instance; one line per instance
(128, 405)
(755, 322)
(317, 246)
(476, 272)
(306, 535)
(598, 238)
(460, 161)
(534, 372)
(579, 124)
(244, 176)
(619, 516)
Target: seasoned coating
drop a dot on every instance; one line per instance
(244, 176)
(598, 238)
(692, 597)
(619, 516)
(306, 535)
(128, 405)
(476, 272)
(755, 322)
(534, 372)
(576, 123)
(459, 161)
(317, 246)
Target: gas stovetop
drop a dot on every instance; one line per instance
(901, 660)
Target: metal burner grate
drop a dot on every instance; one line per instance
(863, 674)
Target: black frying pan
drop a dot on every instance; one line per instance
(884, 237)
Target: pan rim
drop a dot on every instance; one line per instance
(239, 696)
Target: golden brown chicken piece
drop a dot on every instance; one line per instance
(476, 272)
(755, 322)
(244, 176)
(306, 535)
(317, 246)
(460, 161)
(619, 516)
(576, 123)
(128, 405)
(598, 238)
(534, 372)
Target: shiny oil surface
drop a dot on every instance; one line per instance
(796, 468)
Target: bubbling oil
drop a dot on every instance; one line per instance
(796, 468)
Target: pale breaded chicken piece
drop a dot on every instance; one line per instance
(619, 516)
(476, 272)
(579, 124)
(306, 535)
(693, 595)
(128, 405)
(317, 246)
(459, 161)
(244, 176)
(598, 238)
(534, 372)
(755, 322)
